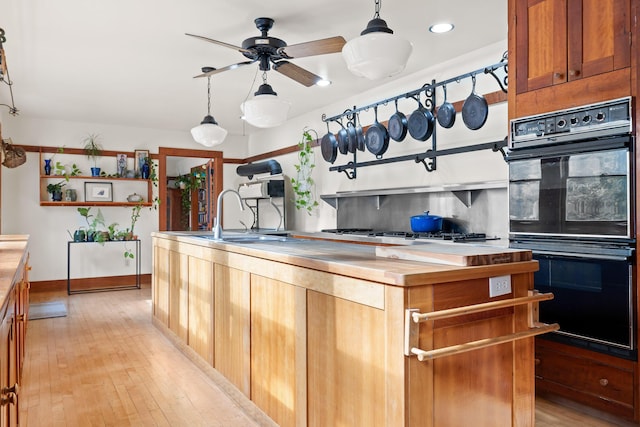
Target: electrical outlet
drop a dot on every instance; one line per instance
(500, 285)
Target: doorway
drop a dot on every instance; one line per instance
(164, 191)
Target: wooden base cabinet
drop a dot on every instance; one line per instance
(597, 380)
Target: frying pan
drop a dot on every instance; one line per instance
(377, 139)
(329, 146)
(420, 123)
(343, 139)
(446, 114)
(397, 125)
(475, 109)
(360, 137)
(353, 135)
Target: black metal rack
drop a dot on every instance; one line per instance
(431, 154)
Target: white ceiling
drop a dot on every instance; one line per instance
(128, 62)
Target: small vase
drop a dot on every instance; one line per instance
(145, 171)
(47, 166)
(95, 171)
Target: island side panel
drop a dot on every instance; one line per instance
(161, 282)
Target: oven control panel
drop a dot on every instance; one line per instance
(590, 121)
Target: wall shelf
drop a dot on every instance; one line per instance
(121, 187)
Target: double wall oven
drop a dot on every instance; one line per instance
(572, 202)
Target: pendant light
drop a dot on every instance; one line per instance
(377, 53)
(265, 109)
(208, 133)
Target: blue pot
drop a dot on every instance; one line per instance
(426, 223)
(95, 171)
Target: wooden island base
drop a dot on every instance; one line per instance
(315, 332)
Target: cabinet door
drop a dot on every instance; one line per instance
(201, 308)
(278, 355)
(541, 43)
(599, 37)
(161, 282)
(346, 363)
(232, 326)
(179, 294)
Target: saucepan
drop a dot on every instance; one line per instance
(426, 223)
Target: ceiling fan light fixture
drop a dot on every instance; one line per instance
(208, 133)
(265, 109)
(377, 53)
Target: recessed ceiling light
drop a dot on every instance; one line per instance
(443, 27)
(323, 83)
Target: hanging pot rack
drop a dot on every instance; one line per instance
(428, 158)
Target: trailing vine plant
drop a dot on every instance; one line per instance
(303, 184)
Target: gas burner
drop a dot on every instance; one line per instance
(441, 235)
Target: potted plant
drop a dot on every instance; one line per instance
(93, 149)
(303, 184)
(55, 189)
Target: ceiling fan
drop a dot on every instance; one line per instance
(273, 53)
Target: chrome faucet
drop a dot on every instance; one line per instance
(217, 228)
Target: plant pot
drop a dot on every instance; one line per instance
(56, 196)
(70, 195)
(95, 171)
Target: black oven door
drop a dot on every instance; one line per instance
(592, 300)
(580, 189)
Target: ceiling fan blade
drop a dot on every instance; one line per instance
(296, 73)
(316, 47)
(227, 68)
(230, 46)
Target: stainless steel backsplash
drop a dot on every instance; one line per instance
(488, 212)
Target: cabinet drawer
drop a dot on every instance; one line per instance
(585, 376)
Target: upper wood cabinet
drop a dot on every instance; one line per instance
(559, 41)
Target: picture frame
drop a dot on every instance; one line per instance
(98, 192)
(139, 157)
(121, 164)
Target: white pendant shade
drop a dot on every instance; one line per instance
(265, 111)
(208, 133)
(376, 55)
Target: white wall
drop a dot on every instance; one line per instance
(22, 214)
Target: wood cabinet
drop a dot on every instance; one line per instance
(312, 347)
(14, 281)
(567, 53)
(232, 324)
(597, 380)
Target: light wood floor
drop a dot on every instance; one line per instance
(106, 365)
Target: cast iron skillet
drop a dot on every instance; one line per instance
(353, 135)
(475, 109)
(377, 138)
(361, 140)
(420, 123)
(397, 125)
(343, 139)
(446, 114)
(328, 146)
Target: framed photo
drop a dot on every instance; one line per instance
(140, 156)
(98, 192)
(121, 164)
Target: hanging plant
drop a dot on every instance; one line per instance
(304, 185)
(187, 183)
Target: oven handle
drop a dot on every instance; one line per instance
(583, 255)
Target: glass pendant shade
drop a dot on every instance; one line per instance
(208, 133)
(377, 53)
(265, 109)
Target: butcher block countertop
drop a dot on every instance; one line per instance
(362, 261)
(13, 248)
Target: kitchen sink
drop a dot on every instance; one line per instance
(246, 238)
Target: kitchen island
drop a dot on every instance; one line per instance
(320, 333)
